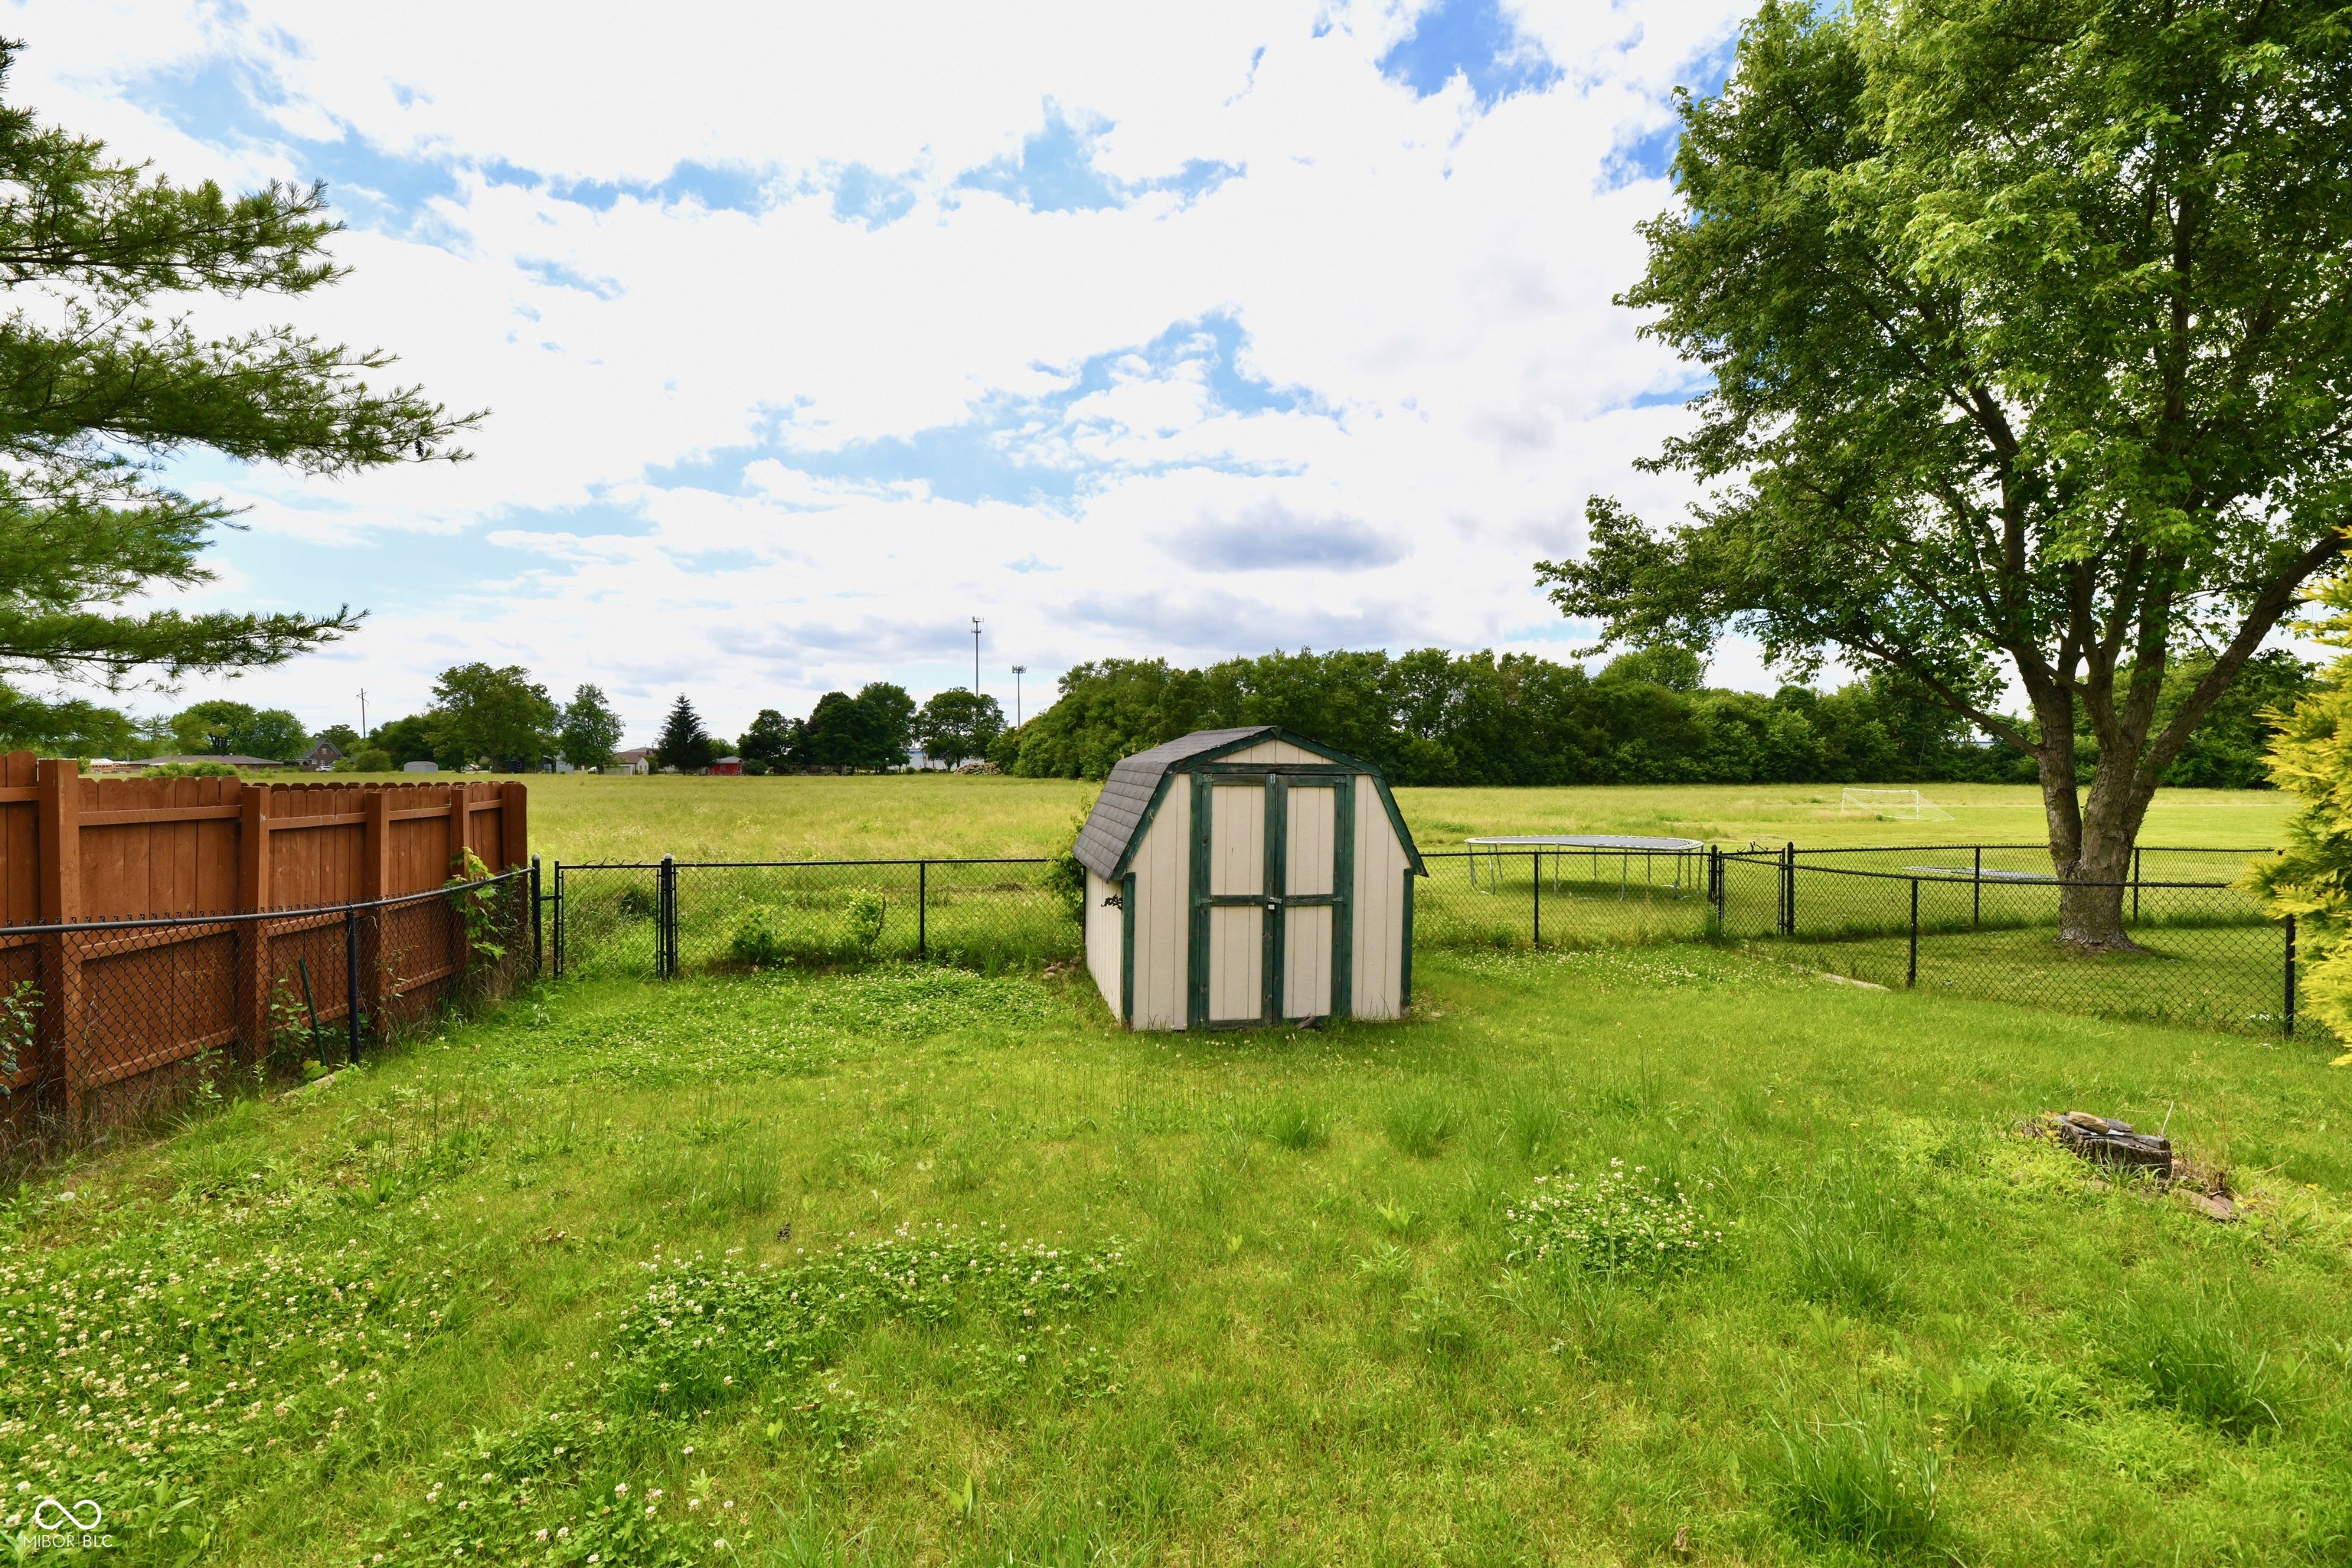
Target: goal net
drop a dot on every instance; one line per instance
(1904, 805)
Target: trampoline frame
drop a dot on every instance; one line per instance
(1560, 846)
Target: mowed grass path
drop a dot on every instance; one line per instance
(1247, 1299)
(582, 818)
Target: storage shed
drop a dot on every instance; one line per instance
(1246, 876)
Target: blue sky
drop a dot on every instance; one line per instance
(806, 335)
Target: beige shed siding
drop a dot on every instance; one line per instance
(1308, 848)
(1273, 751)
(1236, 840)
(1379, 978)
(1102, 939)
(1306, 971)
(1163, 906)
(1236, 962)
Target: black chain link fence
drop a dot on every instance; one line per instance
(1560, 897)
(1987, 920)
(676, 917)
(1986, 917)
(107, 1024)
(1983, 921)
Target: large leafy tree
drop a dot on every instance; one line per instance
(771, 742)
(221, 726)
(415, 739)
(889, 724)
(871, 729)
(590, 732)
(2030, 324)
(499, 715)
(100, 379)
(955, 724)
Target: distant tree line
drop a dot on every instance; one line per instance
(1427, 717)
(877, 728)
(1433, 717)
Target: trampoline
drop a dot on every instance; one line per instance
(1596, 848)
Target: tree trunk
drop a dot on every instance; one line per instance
(2104, 831)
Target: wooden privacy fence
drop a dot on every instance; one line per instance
(140, 920)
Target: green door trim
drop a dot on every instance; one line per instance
(1196, 936)
(1126, 950)
(1404, 1001)
(1274, 934)
(1343, 888)
(1272, 900)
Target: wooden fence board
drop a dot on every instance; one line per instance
(116, 1005)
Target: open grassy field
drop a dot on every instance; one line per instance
(584, 817)
(924, 1266)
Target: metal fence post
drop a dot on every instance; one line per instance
(1911, 975)
(922, 911)
(1789, 888)
(2290, 976)
(666, 917)
(538, 926)
(2136, 873)
(1976, 893)
(559, 919)
(351, 982)
(1537, 883)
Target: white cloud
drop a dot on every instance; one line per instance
(758, 433)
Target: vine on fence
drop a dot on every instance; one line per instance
(20, 1012)
(482, 945)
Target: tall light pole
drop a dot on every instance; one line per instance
(1018, 671)
(975, 656)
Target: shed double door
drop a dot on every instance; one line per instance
(1273, 868)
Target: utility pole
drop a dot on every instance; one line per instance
(975, 656)
(364, 729)
(1018, 671)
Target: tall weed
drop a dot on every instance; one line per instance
(2188, 1356)
(1296, 1125)
(1854, 1483)
(1420, 1124)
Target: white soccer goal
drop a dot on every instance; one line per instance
(1904, 805)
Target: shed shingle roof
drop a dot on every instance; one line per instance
(1128, 793)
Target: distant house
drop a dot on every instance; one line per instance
(321, 757)
(728, 765)
(637, 760)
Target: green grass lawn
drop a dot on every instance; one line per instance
(922, 1266)
(577, 817)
